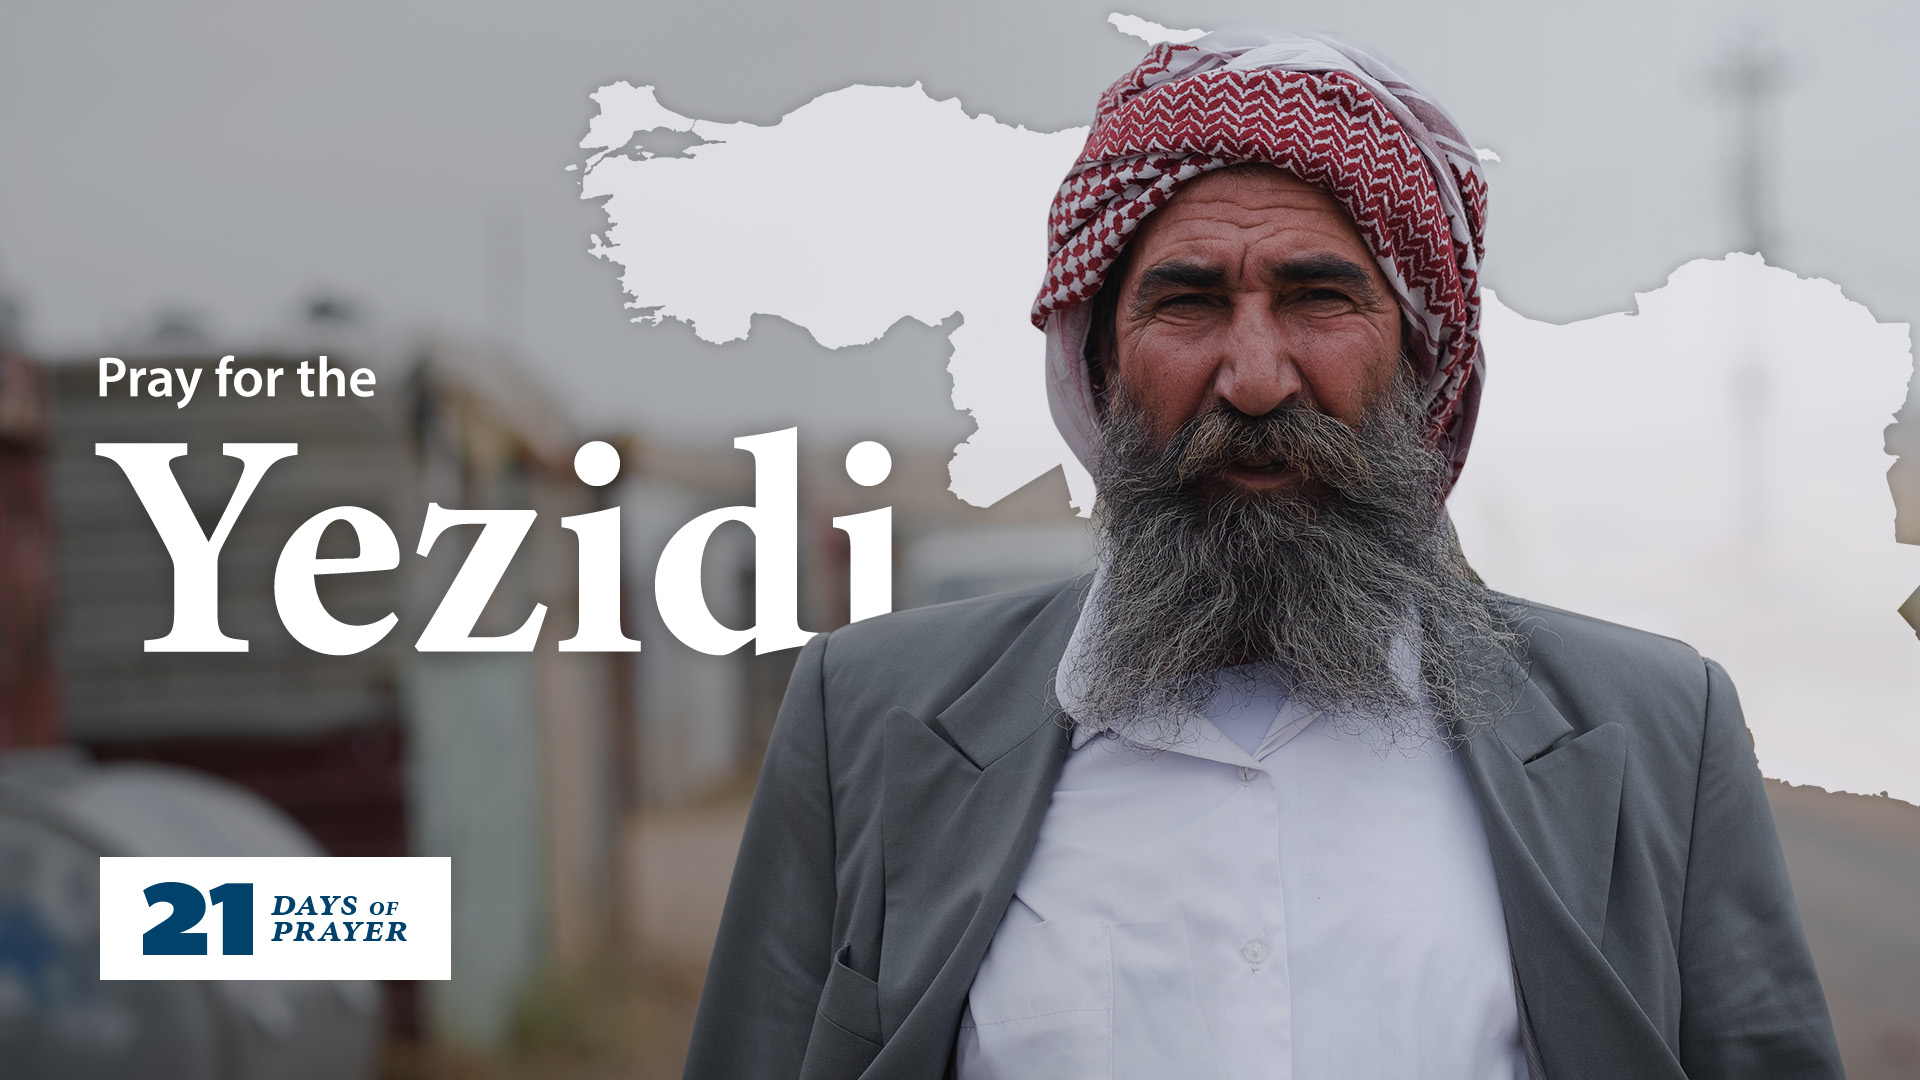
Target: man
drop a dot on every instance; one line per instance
(1283, 790)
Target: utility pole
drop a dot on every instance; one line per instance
(1751, 79)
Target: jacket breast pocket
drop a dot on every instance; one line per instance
(846, 1027)
(1041, 1006)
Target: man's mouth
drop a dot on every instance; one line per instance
(1270, 473)
(1259, 463)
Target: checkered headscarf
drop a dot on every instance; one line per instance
(1330, 112)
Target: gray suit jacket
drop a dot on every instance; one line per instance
(1652, 928)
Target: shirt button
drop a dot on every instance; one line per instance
(1246, 776)
(1255, 951)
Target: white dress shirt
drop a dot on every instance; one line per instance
(1267, 896)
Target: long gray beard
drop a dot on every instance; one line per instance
(1336, 586)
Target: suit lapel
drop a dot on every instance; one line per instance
(965, 794)
(1550, 798)
(1559, 791)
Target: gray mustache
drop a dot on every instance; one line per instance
(1319, 446)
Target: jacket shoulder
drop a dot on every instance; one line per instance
(1597, 671)
(922, 658)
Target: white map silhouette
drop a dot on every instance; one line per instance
(1712, 467)
(1709, 467)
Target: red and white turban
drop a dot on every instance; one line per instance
(1330, 112)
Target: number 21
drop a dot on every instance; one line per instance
(169, 937)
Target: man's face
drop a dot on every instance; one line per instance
(1252, 289)
(1268, 495)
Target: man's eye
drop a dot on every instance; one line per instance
(1324, 301)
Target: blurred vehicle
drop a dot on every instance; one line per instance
(59, 813)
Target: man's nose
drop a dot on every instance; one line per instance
(1257, 372)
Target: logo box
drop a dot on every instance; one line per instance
(276, 918)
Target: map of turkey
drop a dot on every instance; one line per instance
(863, 206)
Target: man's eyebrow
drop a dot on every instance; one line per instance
(1176, 275)
(1324, 270)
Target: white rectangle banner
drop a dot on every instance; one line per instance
(276, 918)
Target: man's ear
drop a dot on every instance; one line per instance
(1103, 333)
(1099, 362)
(1410, 363)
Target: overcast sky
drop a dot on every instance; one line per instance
(229, 160)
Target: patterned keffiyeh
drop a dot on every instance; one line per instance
(1330, 112)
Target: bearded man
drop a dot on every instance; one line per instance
(1283, 790)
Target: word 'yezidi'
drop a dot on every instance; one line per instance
(773, 517)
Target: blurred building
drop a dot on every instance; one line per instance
(29, 691)
(59, 813)
(508, 762)
(520, 766)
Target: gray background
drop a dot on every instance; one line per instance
(225, 161)
(219, 164)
